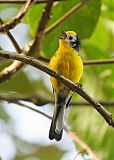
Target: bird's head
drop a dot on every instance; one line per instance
(71, 38)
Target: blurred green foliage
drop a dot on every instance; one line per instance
(49, 152)
(95, 26)
(86, 17)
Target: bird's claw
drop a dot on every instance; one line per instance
(58, 73)
(80, 85)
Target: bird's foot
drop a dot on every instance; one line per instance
(58, 73)
(80, 85)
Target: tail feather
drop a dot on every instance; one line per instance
(54, 134)
(56, 128)
(51, 132)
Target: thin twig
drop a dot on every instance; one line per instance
(67, 15)
(32, 47)
(10, 25)
(24, 1)
(82, 144)
(40, 32)
(97, 62)
(74, 87)
(10, 70)
(79, 153)
(76, 138)
(14, 42)
(37, 98)
(33, 109)
(41, 99)
(104, 103)
(86, 62)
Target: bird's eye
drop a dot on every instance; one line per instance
(70, 38)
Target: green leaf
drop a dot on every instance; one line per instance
(42, 153)
(18, 83)
(8, 11)
(33, 17)
(21, 83)
(40, 86)
(92, 128)
(108, 9)
(109, 14)
(4, 63)
(109, 3)
(83, 22)
(100, 46)
(47, 152)
(101, 40)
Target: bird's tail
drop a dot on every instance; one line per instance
(56, 128)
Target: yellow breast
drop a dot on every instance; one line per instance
(67, 62)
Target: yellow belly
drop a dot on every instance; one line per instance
(68, 63)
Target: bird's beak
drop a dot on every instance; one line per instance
(64, 35)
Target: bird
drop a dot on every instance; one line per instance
(67, 62)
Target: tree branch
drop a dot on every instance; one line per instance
(33, 109)
(76, 138)
(10, 25)
(44, 59)
(32, 47)
(80, 153)
(86, 62)
(9, 71)
(24, 1)
(41, 99)
(37, 98)
(104, 103)
(40, 32)
(14, 42)
(74, 87)
(101, 61)
(67, 15)
(82, 143)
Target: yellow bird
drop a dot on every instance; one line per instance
(67, 62)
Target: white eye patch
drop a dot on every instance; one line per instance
(71, 38)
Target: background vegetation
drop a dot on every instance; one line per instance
(94, 24)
